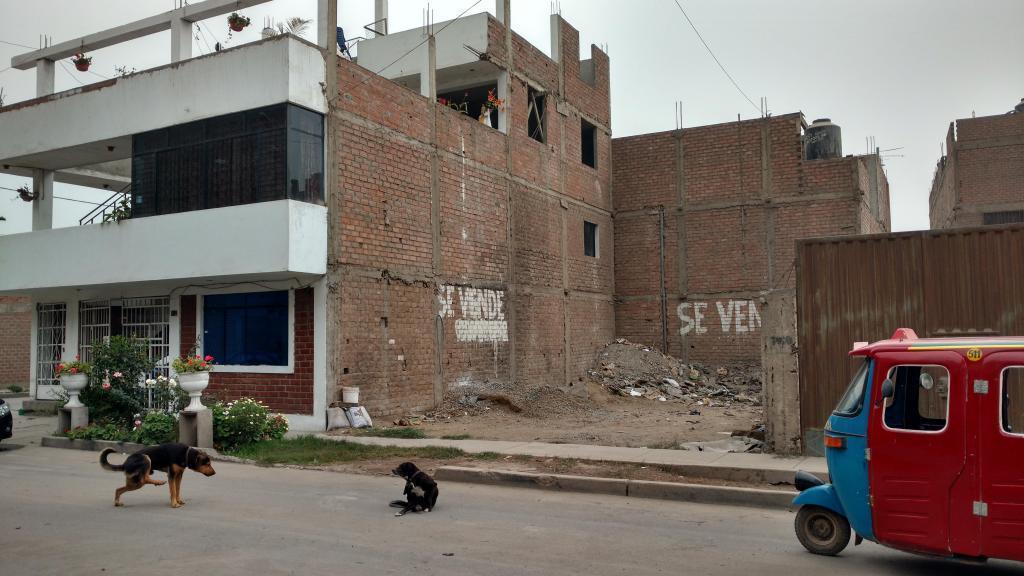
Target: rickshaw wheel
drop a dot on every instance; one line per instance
(821, 530)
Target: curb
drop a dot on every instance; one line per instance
(729, 495)
(121, 447)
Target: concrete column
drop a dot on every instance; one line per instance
(326, 26)
(42, 206)
(556, 37)
(503, 12)
(45, 77)
(181, 39)
(428, 70)
(781, 373)
(380, 16)
(505, 93)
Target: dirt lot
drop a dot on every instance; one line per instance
(607, 419)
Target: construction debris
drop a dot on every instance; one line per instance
(639, 371)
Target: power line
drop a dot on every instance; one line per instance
(60, 197)
(717, 61)
(19, 45)
(73, 77)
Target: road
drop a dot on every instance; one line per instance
(57, 517)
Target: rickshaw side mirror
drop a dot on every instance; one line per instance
(888, 389)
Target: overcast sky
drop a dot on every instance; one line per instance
(895, 70)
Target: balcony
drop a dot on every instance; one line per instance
(264, 241)
(94, 124)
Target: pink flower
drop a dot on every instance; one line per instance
(138, 423)
(118, 375)
(106, 385)
(208, 358)
(73, 370)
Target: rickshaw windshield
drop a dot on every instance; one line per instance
(853, 399)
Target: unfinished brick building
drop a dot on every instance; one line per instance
(15, 341)
(980, 179)
(470, 247)
(706, 220)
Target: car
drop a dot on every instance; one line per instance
(6, 420)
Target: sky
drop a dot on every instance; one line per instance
(897, 71)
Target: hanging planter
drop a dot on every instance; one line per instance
(237, 22)
(82, 62)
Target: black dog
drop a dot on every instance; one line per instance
(420, 489)
(170, 458)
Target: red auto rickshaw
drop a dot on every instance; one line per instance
(925, 451)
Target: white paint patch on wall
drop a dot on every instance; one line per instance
(734, 316)
(479, 313)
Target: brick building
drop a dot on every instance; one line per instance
(15, 341)
(980, 179)
(706, 220)
(370, 223)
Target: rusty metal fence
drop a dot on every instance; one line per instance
(941, 283)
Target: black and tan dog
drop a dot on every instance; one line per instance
(420, 490)
(170, 458)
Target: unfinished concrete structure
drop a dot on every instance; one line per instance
(706, 221)
(980, 178)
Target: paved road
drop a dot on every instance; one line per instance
(57, 516)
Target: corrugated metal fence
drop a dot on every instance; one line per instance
(940, 283)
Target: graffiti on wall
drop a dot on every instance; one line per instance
(732, 316)
(479, 313)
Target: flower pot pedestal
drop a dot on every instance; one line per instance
(196, 428)
(74, 417)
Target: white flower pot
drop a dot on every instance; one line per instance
(194, 383)
(74, 383)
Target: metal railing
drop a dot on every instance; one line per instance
(105, 207)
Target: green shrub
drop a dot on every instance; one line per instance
(277, 427)
(118, 367)
(243, 422)
(403, 432)
(15, 388)
(155, 428)
(109, 431)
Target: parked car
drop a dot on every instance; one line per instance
(6, 420)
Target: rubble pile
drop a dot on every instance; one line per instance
(533, 401)
(640, 371)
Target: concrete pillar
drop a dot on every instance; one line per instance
(42, 206)
(45, 77)
(196, 428)
(380, 17)
(556, 37)
(326, 26)
(781, 367)
(503, 12)
(428, 70)
(70, 418)
(181, 39)
(504, 92)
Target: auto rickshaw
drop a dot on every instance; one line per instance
(925, 451)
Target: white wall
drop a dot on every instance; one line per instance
(279, 70)
(281, 238)
(376, 53)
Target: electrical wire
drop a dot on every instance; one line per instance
(61, 198)
(717, 61)
(19, 45)
(413, 49)
(73, 77)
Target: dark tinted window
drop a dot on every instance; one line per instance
(589, 239)
(258, 155)
(1013, 400)
(853, 400)
(246, 329)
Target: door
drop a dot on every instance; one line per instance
(1002, 455)
(918, 448)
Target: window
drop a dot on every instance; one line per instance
(471, 102)
(589, 239)
(1008, 217)
(536, 115)
(853, 400)
(51, 320)
(588, 143)
(920, 398)
(1013, 400)
(249, 329)
(270, 153)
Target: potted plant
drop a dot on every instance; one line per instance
(82, 61)
(237, 22)
(193, 377)
(492, 103)
(74, 377)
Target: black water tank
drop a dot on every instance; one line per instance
(1019, 108)
(823, 140)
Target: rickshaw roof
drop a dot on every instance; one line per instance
(905, 339)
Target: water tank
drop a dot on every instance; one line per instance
(1019, 108)
(823, 140)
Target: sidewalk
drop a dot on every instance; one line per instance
(739, 467)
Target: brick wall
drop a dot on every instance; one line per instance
(456, 251)
(289, 393)
(15, 341)
(727, 202)
(983, 171)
